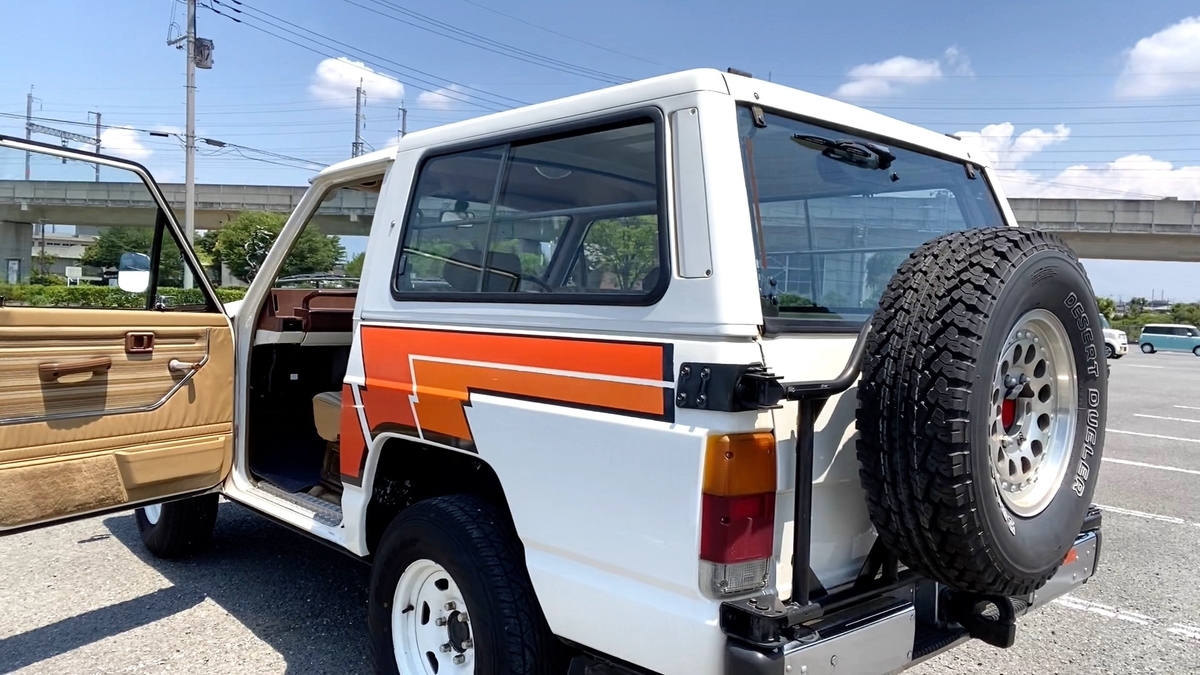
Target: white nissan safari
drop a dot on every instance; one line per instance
(698, 374)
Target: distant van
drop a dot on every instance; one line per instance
(1170, 337)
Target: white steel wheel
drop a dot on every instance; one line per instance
(1034, 396)
(431, 627)
(153, 513)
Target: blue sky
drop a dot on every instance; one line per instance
(1077, 99)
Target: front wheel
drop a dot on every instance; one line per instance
(178, 528)
(1147, 348)
(1196, 350)
(450, 594)
(1109, 352)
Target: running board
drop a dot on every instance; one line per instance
(315, 507)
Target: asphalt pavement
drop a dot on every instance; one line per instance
(85, 597)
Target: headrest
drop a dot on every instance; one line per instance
(461, 271)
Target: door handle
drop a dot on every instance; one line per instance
(177, 366)
(98, 365)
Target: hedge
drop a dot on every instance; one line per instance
(103, 296)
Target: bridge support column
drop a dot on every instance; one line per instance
(16, 248)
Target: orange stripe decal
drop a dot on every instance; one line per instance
(419, 380)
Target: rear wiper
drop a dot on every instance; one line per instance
(855, 153)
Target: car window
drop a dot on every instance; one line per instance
(90, 237)
(830, 230)
(541, 220)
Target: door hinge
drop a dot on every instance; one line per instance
(727, 387)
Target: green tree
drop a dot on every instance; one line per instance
(243, 244)
(354, 267)
(1107, 307)
(625, 247)
(1137, 305)
(106, 251)
(1188, 313)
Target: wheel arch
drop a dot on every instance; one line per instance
(402, 471)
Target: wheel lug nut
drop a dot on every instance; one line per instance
(462, 618)
(467, 644)
(450, 606)
(459, 659)
(446, 648)
(440, 621)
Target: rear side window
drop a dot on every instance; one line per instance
(574, 217)
(1153, 330)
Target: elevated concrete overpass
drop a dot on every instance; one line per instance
(1121, 229)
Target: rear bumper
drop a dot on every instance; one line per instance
(906, 624)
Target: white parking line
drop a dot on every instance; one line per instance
(1165, 438)
(1185, 630)
(1104, 610)
(1170, 419)
(1150, 466)
(1181, 629)
(1134, 365)
(1187, 407)
(1142, 514)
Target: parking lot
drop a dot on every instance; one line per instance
(85, 598)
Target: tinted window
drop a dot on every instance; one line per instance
(1154, 330)
(548, 219)
(835, 214)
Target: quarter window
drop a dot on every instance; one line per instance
(549, 220)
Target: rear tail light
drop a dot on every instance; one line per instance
(737, 516)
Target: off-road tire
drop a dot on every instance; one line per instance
(468, 537)
(184, 527)
(924, 401)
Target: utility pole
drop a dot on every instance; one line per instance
(403, 120)
(357, 148)
(28, 126)
(189, 218)
(90, 113)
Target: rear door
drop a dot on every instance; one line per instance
(116, 359)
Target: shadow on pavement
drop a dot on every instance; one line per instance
(303, 599)
(60, 637)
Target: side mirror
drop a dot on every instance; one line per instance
(133, 272)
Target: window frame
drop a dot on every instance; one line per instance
(779, 325)
(551, 132)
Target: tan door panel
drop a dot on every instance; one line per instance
(86, 425)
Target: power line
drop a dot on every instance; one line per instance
(485, 43)
(562, 35)
(488, 97)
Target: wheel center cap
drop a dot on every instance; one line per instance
(460, 631)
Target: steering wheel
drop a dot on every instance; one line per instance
(537, 281)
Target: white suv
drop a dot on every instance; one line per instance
(699, 374)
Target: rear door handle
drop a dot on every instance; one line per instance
(50, 372)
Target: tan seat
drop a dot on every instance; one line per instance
(327, 414)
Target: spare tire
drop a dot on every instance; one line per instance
(982, 408)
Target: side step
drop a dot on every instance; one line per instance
(320, 510)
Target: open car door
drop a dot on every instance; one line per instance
(116, 359)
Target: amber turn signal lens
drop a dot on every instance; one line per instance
(740, 464)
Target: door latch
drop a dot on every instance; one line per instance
(139, 343)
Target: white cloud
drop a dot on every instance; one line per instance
(1005, 152)
(443, 98)
(893, 75)
(336, 80)
(1135, 176)
(123, 142)
(1164, 63)
(1130, 177)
